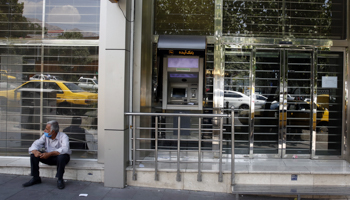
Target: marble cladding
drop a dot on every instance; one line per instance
(85, 170)
(303, 172)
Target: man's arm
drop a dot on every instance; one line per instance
(64, 149)
(37, 145)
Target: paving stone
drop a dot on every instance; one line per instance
(11, 189)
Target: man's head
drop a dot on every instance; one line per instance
(76, 121)
(52, 128)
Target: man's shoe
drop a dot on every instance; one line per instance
(60, 184)
(33, 181)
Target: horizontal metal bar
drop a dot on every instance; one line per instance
(177, 114)
(195, 140)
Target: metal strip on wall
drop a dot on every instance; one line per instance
(345, 103)
(283, 99)
(219, 64)
(252, 109)
(313, 119)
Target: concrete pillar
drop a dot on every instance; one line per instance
(113, 92)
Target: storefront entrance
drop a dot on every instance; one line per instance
(288, 101)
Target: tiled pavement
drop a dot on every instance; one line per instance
(11, 189)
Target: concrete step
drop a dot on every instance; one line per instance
(260, 172)
(82, 170)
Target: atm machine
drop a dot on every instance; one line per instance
(182, 83)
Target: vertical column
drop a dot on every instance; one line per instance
(282, 99)
(113, 92)
(252, 102)
(346, 149)
(42, 67)
(145, 92)
(219, 72)
(314, 102)
(219, 65)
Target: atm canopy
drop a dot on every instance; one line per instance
(188, 42)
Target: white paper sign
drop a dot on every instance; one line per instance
(329, 81)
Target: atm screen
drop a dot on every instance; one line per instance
(183, 62)
(179, 92)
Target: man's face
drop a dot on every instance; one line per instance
(47, 129)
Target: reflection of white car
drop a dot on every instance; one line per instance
(236, 99)
(88, 83)
(44, 77)
(260, 101)
(242, 101)
(289, 97)
(275, 104)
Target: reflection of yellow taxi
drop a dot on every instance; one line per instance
(68, 94)
(5, 76)
(298, 113)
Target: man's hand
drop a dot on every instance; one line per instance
(45, 155)
(36, 153)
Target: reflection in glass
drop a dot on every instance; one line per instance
(266, 117)
(236, 93)
(22, 19)
(181, 17)
(78, 19)
(330, 97)
(23, 105)
(285, 19)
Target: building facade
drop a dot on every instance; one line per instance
(282, 65)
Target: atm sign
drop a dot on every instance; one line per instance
(185, 52)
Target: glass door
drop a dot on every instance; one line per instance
(288, 101)
(298, 109)
(266, 124)
(282, 115)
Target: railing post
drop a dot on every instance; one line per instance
(178, 175)
(233, 183)
(220, 161)
(156, 151)
(134, 175)
(199, 176)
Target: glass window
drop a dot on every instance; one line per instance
(21, 19)
(22, 111)
(183, 17)
(31, 85)
(67, 19)
(74, 88)
(279, 18)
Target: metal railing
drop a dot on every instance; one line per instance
(219, 127)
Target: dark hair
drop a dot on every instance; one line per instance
(76, 120)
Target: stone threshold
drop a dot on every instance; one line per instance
(256, 166)
(77, 169)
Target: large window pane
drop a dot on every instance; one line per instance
(183, 17)
(25, 108)
(330, 100)
(280, 18)
(21, 19)
(72, 19)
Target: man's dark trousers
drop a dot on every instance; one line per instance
(60, 160)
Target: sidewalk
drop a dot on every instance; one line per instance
(11, 189)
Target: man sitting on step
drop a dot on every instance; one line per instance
(57, 152)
